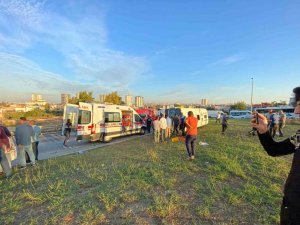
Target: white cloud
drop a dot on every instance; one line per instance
(20, 77)
(82, 41)
(228, 60)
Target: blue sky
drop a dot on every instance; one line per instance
(166, 51)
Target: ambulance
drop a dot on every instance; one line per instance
(101, 122)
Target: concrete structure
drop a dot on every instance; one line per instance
(65, 98)
(128, 100)
(36, 102)
(102, 98)
(204, 102)
(139, 101)
(36, 97)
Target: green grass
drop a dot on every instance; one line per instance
(231, 181)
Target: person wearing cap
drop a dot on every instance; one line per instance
(290, 207)
(191, 124)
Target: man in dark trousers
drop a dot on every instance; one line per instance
(176, 125)
(224, 122)
(191, 124)
(290, 208)
(149, 123)
(182, 125)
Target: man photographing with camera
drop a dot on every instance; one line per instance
(290, 208)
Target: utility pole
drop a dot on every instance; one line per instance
(252, 95)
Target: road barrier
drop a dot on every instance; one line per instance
(51, 128)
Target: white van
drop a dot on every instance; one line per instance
(200, 113)
(214, 113)
(100, 122)
(240, 114)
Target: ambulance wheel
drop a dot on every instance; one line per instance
(142, 131)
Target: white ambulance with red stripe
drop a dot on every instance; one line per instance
(101, 122)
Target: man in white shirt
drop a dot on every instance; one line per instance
(163, 126)
(169, 127)
(156, 128)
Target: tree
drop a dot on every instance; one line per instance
(84, 96)
(239, 106)
(47, 107)
(113, 98)
(73, 100)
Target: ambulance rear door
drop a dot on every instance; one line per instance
(70, 112)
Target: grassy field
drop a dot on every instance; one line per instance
(231, 181)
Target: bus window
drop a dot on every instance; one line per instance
(198, 117)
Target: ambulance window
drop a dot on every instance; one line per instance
(117, 117)
(111, 117)
(84, 117)
(138, 119)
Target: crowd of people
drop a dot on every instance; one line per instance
(26, 139)
(276, 122)
(165, 127)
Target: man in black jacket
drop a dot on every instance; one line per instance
(290, 208)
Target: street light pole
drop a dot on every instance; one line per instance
(252, 95)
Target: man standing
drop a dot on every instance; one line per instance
(149, 122)
(269, 118)
(218, 118)
(282, 119)
(224, 123)
(24, 134)
(156, 127)
(163, 126)
(35, 139)
(4, 148)
(274, 124)
(67, 132)
(176, 125)
(182, 124)
(190, 139)
(169, 127)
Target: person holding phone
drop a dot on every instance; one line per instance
(290, 207)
